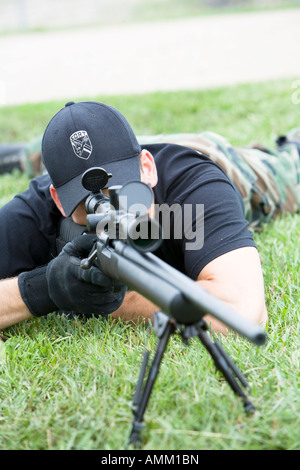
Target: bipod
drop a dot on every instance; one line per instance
(164, 327)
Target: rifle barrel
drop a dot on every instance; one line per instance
(175, 293)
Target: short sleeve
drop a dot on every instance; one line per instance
(213, 224)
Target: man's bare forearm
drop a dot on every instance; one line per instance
(135, 308)
(12, 308)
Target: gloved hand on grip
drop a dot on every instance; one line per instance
(72, 288)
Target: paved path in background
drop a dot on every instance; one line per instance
(194, 53)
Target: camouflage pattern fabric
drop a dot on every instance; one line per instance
(268, 180)
(33, 158)
(25, 157)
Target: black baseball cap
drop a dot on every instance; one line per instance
(84, 135)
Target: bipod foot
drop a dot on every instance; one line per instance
(135, 438)
(225, 365)
(163, 328)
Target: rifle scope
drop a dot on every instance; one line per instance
(123, 214)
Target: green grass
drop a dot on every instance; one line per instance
(170, 9)
(242, 113)
(68, 384)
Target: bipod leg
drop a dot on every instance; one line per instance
(163, 328)
(225, 365)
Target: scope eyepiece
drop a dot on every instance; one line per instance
(94, 180)
(93, 202)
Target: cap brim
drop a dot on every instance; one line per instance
(72, 193)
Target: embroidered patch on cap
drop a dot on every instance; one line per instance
(81, 144)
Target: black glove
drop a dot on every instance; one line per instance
(72, 288)
(33, 288)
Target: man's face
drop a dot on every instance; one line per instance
(79, 215)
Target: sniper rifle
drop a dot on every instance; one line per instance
(124, 251)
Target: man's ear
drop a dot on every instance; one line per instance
(55, 198)
(148, 168)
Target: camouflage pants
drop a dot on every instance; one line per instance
(268, 180)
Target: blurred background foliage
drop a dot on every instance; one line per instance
(23, 15)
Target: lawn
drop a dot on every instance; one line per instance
(68, 384)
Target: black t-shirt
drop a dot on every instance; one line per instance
(187, 181)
